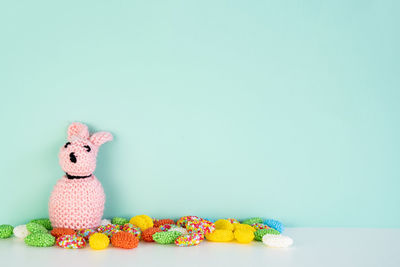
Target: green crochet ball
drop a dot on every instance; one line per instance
(36, 228)
(166, 237)
(252, 220)
(119, 221)
(258, 235)
(43, 222)
(6, 230)
(40, 240)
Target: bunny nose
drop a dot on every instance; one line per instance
(72, 157)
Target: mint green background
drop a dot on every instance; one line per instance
(283, 109)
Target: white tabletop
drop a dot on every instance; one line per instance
(312, 247)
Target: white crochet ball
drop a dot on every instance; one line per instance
(105, 222)
(20, 231)
(179, 229)
(277, 241)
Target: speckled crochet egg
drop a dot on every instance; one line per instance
(85, 233)
(201, 226)
(183, 220)
(233, 221)
(35, 228)
(259, 226)
(168, 237)
(21, 231)
(124, 240)
(71, 241)
(99, 241)
(40, 240)
(6, 230)
(189, 240)
(108, 229)
(130, 228)
(277, 241)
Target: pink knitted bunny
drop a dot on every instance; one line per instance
(77, 200)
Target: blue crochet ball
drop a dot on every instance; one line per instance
(277, 225)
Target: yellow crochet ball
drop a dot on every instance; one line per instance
(220, 235)
(224, 224)
(142, 221)
(244, 227)
(244, 236)
(98, 241)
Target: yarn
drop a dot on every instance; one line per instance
(168, 237)
(244, 236)
(35, 228)
(220, 235)
(252, 220)
(142, 221)
(71, 241)
(6, 231)
(40, 240)
(85, 233)
(21, 231)
(277, 241)
(124, 240)
(224, 224)
(189, 240)
(130, 228)
(147, 235)
(45, 222)
(98, 241)
(108, 229)
(158, 223)
(240, 226)
(57, 232)
(119, 220)
(277, 225)
(78, 202)
(258, 235)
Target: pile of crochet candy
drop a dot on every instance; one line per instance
(123, 233)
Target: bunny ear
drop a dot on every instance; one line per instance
(78, 129)
(100, 138)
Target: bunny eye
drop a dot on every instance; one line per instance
(87, 148)
(66, 144)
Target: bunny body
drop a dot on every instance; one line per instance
(78, 199)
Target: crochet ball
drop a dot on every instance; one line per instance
(277, 225)
(182, 230)
(189, 240)
(200, 226)
(124, 240)
(244, 236)
(258, 235)
(119, 221)
(184, 220)
(98, 241)
(240, 226)
(277, 241)
(40, 240)
(224, 224)
(21, 231)
(166, 237)
(166, 227)
(6, 230)
(45, 222)
(85, 233)
(71, 241)
(57, 232)
(130, 228)
(147, 235)
(259, 226)
(252, 220)
(36, 228)
(158, 223)
(142, 221)
(108, 229)
(220, 235)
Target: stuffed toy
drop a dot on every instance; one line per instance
(77, 200)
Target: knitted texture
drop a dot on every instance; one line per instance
(277, 241)
(57, 232)
(6, 230)
(258, 235)
(147, 235)
(252, 220)
(109, 229)
(124, 240)
(45, 222)
(158, 223)
(40, 240)
(189, 240)
(36, 228)
(119, 221)
(142, 221)
(85, 233)
(98, 241)
(166, 237)
(77, 200)
(21, 231)
(130, 228)
(71, 241)
(277, 225)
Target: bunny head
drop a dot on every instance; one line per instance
(78, 156)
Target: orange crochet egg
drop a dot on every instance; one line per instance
(147, 235)
(57, 232)
(158, 223)
(124, 240)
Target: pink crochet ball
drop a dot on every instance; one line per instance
(77, 200)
